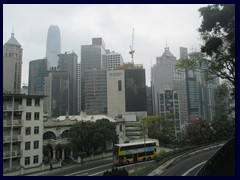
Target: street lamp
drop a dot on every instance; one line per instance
(144, 141)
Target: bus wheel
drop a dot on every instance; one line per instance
(149, 158)
(144, 159)
(126, 162)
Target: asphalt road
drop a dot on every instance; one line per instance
(94, 168)
(189, 166)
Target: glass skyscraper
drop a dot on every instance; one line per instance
(53, 45)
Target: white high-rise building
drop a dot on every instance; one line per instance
(112, 60)
(12, 65)
(53, 45)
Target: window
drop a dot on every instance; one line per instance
(36, 145)
(120, 127)
(28, 116)
(37, 102)
(29, 102)
(35, 159)
(28, 131)
(36, 130)
(27, 145)
(27, 160)
(36, 116)
(119, 85)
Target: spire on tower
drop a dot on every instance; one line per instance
(12, 34)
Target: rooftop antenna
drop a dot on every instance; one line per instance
(132, 51)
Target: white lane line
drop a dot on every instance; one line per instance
(88, 169)
(83, 174)
(97, 173)
(188, 171)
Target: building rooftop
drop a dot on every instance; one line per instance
(13, 40)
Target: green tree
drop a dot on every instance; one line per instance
(198, 131)
(218, 34)
(87, 136)
(159, 127)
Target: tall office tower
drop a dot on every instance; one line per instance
(37, 73)
(91, 58)
(192, 86)
(68, 62)
(111, 60)
(205, 90)
(12, 65)
(126, 91)
(79, 87)
(53, 45)
(95, 89)
(166, 77)
(57, 92)
(22, 133)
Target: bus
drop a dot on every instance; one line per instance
(134, 152)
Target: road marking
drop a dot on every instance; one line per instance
(83, 174)
(87, 170)
(188, 171)
(97, 173)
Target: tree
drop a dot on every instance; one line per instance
(87, 136)
(198, 131)
(218, 34)
(159, 127)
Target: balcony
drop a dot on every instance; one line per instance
(7, 107)
(18, 108)
(17, 138)
(17, 153)
(7, 123)
(6, 155)
(17, 122)
(6, 139)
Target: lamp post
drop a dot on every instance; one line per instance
(144, 141)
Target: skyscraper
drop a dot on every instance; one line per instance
(91, 59)
(53, 45)
(68, 62)
(37, 73)
(12, 65)
(165, 77)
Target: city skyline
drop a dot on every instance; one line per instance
(159, 26)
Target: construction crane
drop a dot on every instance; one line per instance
(132, 51)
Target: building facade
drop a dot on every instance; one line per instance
(36, 79)
(12, 65)
(91, 59)
(95, 88)
(166, 77)
(111, 60)
(22, 132)
(57, 91)
(68, 62)
(126, 92)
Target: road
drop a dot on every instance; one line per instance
(94, 168)
(189, 166)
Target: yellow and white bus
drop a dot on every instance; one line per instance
(134, 152)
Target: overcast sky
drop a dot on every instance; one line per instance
(155, 26)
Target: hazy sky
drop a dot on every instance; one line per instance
(154, 26)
